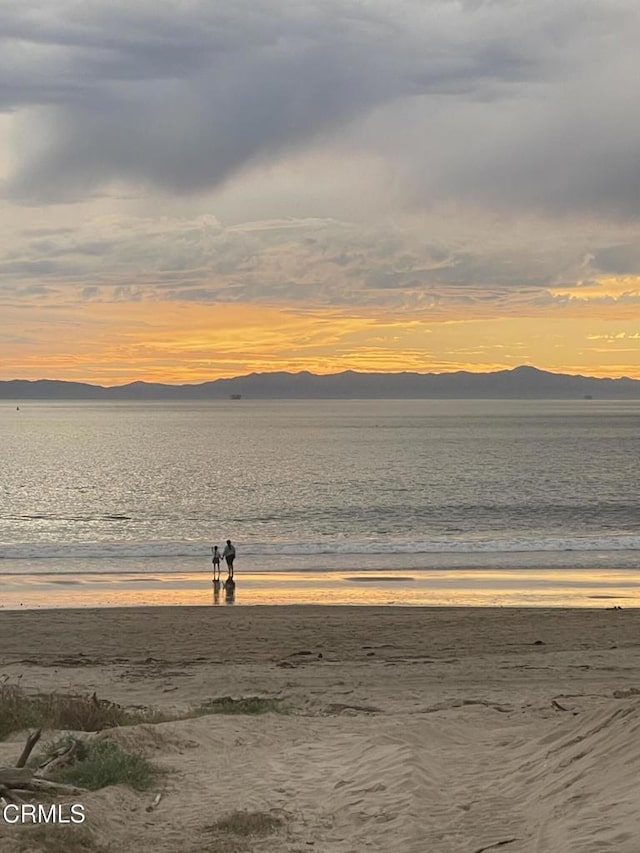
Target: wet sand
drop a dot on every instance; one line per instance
(471, 587)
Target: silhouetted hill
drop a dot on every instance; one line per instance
(519, 383)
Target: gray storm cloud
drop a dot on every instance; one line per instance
(526, 104)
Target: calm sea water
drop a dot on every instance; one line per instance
(318, 485)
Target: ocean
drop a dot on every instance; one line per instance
(315, 489)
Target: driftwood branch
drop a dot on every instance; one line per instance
(155, 802)
(26, 780)
(58, 760)
(23, 780)
(496, 844)
(15, 777)
(39, 784)
(32, 740)
(9, 796)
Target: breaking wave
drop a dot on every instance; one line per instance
(458, 545)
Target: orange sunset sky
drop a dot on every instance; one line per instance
(202, 191)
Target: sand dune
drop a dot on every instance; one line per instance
(580, 782)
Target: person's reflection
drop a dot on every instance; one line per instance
(229, 587)
(229, 591)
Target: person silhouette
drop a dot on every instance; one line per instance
(229, 554)
(216, 563)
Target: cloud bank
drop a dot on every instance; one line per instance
(311, 263)
(527, 105)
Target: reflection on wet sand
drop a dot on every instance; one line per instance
(229, 587)
(450, 587)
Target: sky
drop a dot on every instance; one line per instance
(203, 188)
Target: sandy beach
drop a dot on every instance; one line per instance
(448, 730)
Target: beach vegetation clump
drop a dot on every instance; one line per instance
(16, 714)
(244, 705)
(20, 710)
(100, 763)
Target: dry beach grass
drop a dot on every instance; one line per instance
(406, 729)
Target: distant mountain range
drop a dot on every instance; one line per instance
(519, 383)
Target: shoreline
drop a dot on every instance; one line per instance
(36, 559)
